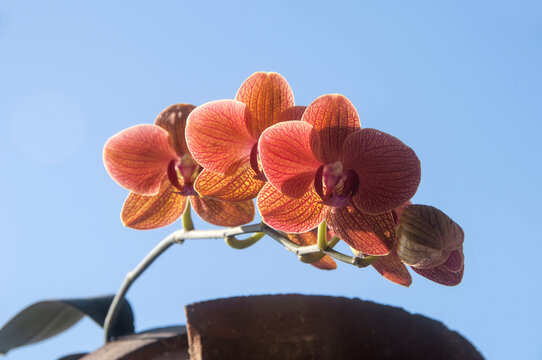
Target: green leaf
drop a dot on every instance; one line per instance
(48, 318)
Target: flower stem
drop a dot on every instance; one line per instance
(235, 243)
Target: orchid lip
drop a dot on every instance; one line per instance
(339, 187)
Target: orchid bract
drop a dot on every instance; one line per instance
(308, 167)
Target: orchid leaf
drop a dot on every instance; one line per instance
(48, 318)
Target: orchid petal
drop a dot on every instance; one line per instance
(241, 186)
(310, 238)
(455, 261)
(292, 113)
(391, 267)
(266, 96)
(388, 170)
(291, 215)
(441, 275)
(223, 213)
(369, 234)
(150, 212)
(333, 117)
(173, 120)
(137, 158)
(218, 137)
(287, 159)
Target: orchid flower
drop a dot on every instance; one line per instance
(154, 163)
(223, 136)
(325, 167)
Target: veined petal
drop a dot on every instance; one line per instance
(223, 213)
(288, 214)
(391, 267)
(389, 171)
(287, 158)
(240, 186)
(369, 234)
(455, 261)
(441, 275)
(292, 113)
(218, 137)
(266, 95)
(150, 212)
(333, 117)
(311, 238)
(173, 120)
(137, 158)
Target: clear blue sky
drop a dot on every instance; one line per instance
(458, 81)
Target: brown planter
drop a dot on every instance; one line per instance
(294, 327)
(316, 327)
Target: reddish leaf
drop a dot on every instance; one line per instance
(391, 267)
(291, 215)
(151, 212)
(223, 213)
(388, 170)
(266, 95)
(137, 158)
(369, 234)
(173, 120)
(333, 117)
(287, 158)
(241, 186)
(218, 138)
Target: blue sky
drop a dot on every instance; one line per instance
(458, 81)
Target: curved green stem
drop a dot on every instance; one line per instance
(235, 243)
(365, 261)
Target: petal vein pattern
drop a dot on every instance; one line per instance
(287, 157)
(288, 214)
(389, 171)
(266, 95)
(217, 136)
(137, 158)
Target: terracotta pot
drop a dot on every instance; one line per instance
(294, 327)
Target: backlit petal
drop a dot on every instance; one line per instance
(217, 136)
(291, 215)
(287, 158)
(292, 113)
(333, 117)
(266, 95)
(223, 213)
(240, 186)
(311, 238)
(173, 120)
(150, 212)
(370, 234)
(388, 170)
(441, 275)
(137, 158)
(391, 267)
(455, 261)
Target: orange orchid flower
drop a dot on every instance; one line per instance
(325, 167)
(154, 163)
(223, 136)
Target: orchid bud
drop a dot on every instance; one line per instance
(427, 236)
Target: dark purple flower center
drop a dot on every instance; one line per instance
(334, 185)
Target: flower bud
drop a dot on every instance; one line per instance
(427, 236)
